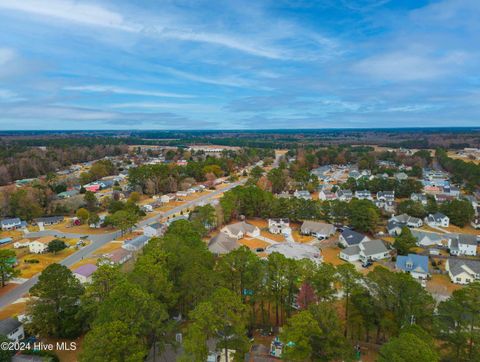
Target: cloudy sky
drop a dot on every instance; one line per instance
(240, 64)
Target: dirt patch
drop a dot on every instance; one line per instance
(299, 238)
(12, 310)
(253, 243)
(441, 284)
(260, 223)
(330, 255)
(275, 237)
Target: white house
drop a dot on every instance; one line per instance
(147, 208)
(84, 273)
(463, 244)
(422, 198)
(40, 245)
(463, 271)
(396, 223)
(302, 194)
(415, 265)
(167, 198)
(326, 195)
(428, 238)
(386, 195)
(24, 243)
(136, 243)
(349, 238)
(437, 219)
(279, 226)
(476, 222)
(13, 329)
(344, 195)
(182, 194)
(318, 229)
(154, 230)
(366, 251)
(240, 229)
(363, 195)
(11, 224)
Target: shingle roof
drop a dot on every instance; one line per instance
(457, 266)
(242, 226)
(317, 227)
(373, 247)
(222, 244)
(351, 250)
(419, 263)
(85, 270)
(9, 325)
(352, 237)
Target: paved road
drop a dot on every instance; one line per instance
(98, 240)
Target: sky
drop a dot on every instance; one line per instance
(239, 64)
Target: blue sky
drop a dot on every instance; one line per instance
(246, 64)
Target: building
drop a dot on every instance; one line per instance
(437, 219)
(386, 195)
(84, 273)
(48, 220)
(415, 265)
(296, 251)
(463, 244)
(370, 250)
(422, 198)
(344, 195)
(136, 244)
(463, 271)
(11, 224)
(349, 238)
(326, 195)
(363, 195)
(318, 229)
(428, 238)
(241, 229)
(302, 194)
(223, 244)
(396, 223)
(40, 245)
(167, 198)
(154, 230)
(12, 329)
(118, 256)
(279, 226)
(476, 222)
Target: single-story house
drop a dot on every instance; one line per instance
(416, 265)
(11, 224)
(84, 273)
(349, 237)
(240, 229)
(370, 250)
(437, 219)
(296, 251)
(463, 271)
(318, 229)
(223, 244)
(428, 238)
(154, 230)
(279, 226)
(463, 244)
(48, 220)
(40, 245)
(118, 256)
(136, 243)
(13, 329)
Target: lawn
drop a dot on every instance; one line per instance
(253, 243)
(274, 237)
(12, 310)
(330, 255)
(441, 284)
(299, 238)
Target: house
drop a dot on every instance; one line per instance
(463, 244)
(40, 245)
(68, 194)
(437, 219)
(302, 194)
(326, 195)
(415, 265)
(476, 222)
(463, 271)
(390, 206)
(167, 198)
(279, 226)
(136, 243)
(419, 198)
(223, 244)
(23, 243)
(363, 195)
(12, 329)
(344, 195)
(147, 208)
(401, 176)
(92, 187)
(84, 273)
(182, 194)
(5, 240)
(349, 238)
(48, 220)
(396, 223)
(154, 230)
(240, 229)
(118, 256)
(370, 250)
(296, 251)
(428, 238)
(386, 195)
(11, 224)
(318, 229)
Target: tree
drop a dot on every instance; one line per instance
(134, 197)
(460, 212)
(7, 261)
(124, 220)
(55, 304)
(93, 219)
(222, 316)
(306, 296)
(349, 280)
(56, 245)
(5, 353)
(204, 216)
(412, 208)
(112, 341)
(364, 215)
(413, 344)
(405, 241)
(82, 214)
(90, 200)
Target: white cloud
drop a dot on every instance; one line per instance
(122, 90)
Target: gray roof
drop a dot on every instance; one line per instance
(222, 244)
(405, 218)
(373, 247)
(156, 225)
(352, 237)
(48, 219)
(467, 239)
(456, 266)
(137, 242)
(317, 227)
(351, 250)
(8, 325)
(242, 226)
(419, 235)
(15, 220)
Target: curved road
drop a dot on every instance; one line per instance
(98, 240)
